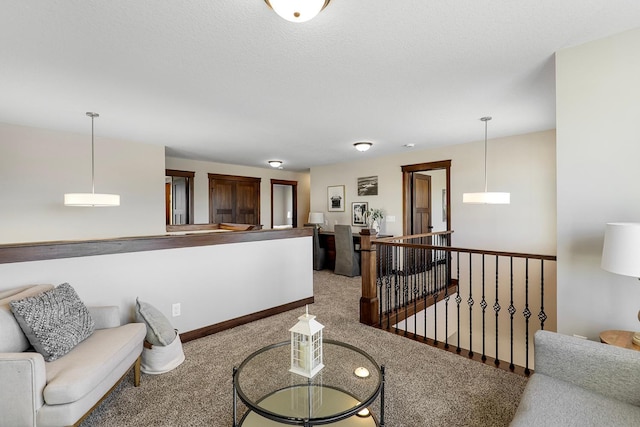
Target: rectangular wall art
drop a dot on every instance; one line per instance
(335, 198)
(368, 186)
(358, 211)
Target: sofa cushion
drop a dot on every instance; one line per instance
(54, 321)
(159, 329)
(77, 373)
(12, 338)
(548, 401)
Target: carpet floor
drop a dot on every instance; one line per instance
(425, 386)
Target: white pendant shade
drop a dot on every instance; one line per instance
(487, 198)
(297, 10)
(91, 199)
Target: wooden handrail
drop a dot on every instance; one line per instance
(471, 251)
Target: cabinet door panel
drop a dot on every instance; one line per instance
(234, 199)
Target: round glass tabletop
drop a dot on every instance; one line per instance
(265, 384)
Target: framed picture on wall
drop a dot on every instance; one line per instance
(358, 210)
(335, 198)
(368, 186)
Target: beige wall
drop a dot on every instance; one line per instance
(201, 186)
(523, 165)
(38, 166)
(598, 132)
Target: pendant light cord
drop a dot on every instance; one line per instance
(485, 120)
(93, 177)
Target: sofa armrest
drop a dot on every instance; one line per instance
(610, 371)
(105, 317)
(23, 380)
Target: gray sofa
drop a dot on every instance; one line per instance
(580, 383)
(62, 392)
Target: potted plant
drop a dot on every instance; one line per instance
(374, 218)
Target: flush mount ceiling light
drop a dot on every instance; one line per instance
(362, 146)
(486, 197)
(275, 163)
(93, 198)
(297, 10)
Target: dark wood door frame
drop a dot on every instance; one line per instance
(294, 199)
(407, 190)
(190, 176)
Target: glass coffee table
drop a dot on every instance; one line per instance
(336, 395)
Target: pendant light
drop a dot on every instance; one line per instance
(93, 198)
(297, 10)
(486, 197)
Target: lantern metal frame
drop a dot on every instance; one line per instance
(306, 346)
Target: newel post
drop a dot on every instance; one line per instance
(369, 314)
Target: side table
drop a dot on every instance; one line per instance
(619, 339)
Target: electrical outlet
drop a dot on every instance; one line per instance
(391, 218)
(175, 309)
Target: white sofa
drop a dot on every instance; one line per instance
(63, 392)
(580, 383)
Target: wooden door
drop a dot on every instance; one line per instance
(247, 203)
(179, 200)
(421, 222)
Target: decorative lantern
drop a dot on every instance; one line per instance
(306, 346)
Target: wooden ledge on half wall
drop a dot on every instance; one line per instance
(203, 228)
(38, 251)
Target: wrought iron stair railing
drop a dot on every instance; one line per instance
(483, 304)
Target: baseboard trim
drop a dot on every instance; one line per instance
(232, 323)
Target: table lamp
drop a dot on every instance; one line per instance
(621, 253)
(316, 218)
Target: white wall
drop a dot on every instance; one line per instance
(523, 165)
(212, 283)
(38, 166)
(598, 148)
(201, 186)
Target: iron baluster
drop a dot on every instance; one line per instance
(458, 300)
(512, 311)
(470, 304)
(496, 308)
(542, 316)
(483, 304)
(527, 315)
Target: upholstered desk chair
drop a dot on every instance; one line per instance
(319, 254)
(347, 258)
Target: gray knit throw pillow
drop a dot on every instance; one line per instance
(54, 321)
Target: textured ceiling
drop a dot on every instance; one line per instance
(229, 81)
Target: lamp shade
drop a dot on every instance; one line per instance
(489, 198)
(621, 251)
(91, 199)
(297, 10)
(316, 218)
